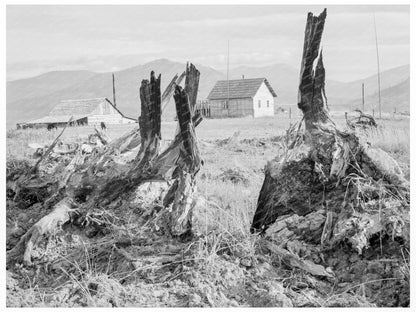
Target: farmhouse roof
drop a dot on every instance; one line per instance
(240, 88)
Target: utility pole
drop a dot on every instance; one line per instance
(362, 94)
(378, 67)
(228, 81)
(114, 92)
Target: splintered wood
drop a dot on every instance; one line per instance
(311, 98)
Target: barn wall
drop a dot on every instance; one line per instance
(236, 108)
(105, 112)
(77, 122)
(37, 125)
(266, 100)
(80, 122)
(108, 119)
(105, 108)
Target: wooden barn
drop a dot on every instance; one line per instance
(242, 97)
(84, 112)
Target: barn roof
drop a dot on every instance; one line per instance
(77, 107)
(240, 88)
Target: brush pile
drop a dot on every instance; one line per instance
(363, 121)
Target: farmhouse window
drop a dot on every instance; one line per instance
(225, 104)
(259, 103)
(268, 104)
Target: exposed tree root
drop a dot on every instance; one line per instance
(47, 226)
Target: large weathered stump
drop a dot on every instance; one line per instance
(101, 178)
(330, 172)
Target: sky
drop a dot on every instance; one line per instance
(113, 37)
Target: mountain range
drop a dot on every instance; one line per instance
(31, 98)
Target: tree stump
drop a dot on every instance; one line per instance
(80, 184)
(330, 172)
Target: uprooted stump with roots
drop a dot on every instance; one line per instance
(91, 190)
(331, 198)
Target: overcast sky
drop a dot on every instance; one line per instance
(108, 38)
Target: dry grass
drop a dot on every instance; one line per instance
(18, 140)
(394, 140)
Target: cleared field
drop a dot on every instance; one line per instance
(235, 152)
(211, 129)
(247, 127)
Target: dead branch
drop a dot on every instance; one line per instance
(50, 148)
(294, 261)
(104, 138)
(167, 94)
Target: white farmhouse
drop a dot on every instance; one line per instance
(242, 97)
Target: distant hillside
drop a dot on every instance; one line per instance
(341, 94)
(32, 98)
(393, 98)
(44, 84)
